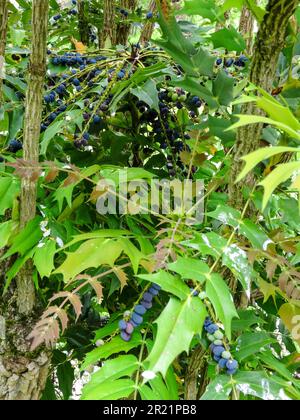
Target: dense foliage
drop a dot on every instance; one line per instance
(153, 306)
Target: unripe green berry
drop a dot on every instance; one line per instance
(210, 337)
(218, 343)
(218, 335)
(226, 355)
(182, 98)
(174, 97)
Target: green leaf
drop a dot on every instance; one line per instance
(256, 384)
(9, 189)
(190, 268)
(65, 376)
(26, 239)
(252, 343)
(92, 253)
(255, 234)
(247, 318)
(218, 390)
(6, 229)
(223, 87)
(109, 372)
(115, 345)
(230, 39)
(259, 385)
(53, 129)
(236, 260)
(177, 325)
(111, 391)
(205, 8)
(44, 257)
(134, 254)
(147, 93)
(254, 158)
(219, 295)
(204, 62)
(279, 175)
(227, 215)
(208, 244)
(168, 283)
(254, 119)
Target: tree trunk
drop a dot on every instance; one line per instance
(192, 375)
(270, 41)
(246, 28)
(108, 38)
(149, 26)
(3, 31)
(32, 126)
(23, 374)
(123, 29)
(83, 21)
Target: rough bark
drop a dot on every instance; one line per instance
(246, 28)
(22, 374)
(123, 28)
(32, 126)
(149, 26)
(108, 36)
(83, 23)
(192, 375)
(270, 41)
(3, 33)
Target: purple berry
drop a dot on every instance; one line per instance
(125, 336)
(147, 305)
(130, 328)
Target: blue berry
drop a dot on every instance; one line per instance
(222, 363)
(232, 365)
(76, 82)
(122, 324)
(57, 17)
(149, 15)
(147, 297)
(229, 62)
(137, 319)
(125, 336)
(219, 61)
(212, 328)
(217, 358)
(97, 119)
(140, 310)
(231, 372)
(218, 350)
(153, 291)
(86, 136)
(14, 146)
(121, 75)
(147, 305)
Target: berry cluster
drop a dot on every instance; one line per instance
(72, 11)
(230, 61)
(135, 319)
(221, 355)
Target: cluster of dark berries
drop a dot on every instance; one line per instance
(229, 62)
(14, 146)
(135, 319)
(72, 11)
(220, 354)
